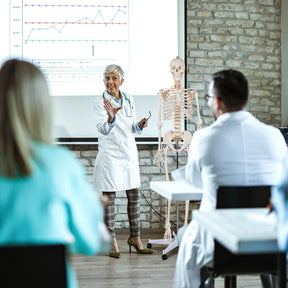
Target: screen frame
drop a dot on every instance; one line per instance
(182, 48)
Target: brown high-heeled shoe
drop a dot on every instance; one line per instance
(139, 251)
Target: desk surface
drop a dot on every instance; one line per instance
(174, 190)
(241, 230)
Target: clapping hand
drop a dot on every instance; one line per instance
(111, 111)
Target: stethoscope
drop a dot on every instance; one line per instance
(128, 111)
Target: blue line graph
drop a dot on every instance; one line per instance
(85, 20)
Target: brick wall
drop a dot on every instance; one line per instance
(152, 205)
(238, 34)
(221, 34)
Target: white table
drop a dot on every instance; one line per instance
(178, 191)
(230, 228)
(251, 231)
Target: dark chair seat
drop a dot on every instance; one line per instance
(33, 266)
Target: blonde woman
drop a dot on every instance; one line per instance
(44, 195)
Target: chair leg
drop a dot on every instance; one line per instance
(230, 282)
(209, 283)
(282, 262)
(207, 278)
(266, 281)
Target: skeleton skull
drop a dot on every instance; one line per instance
(177, 68)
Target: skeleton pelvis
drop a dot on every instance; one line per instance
(179, 143)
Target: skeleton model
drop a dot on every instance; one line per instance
(175, 103)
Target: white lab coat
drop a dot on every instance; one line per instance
(116, 166)
(237, 149)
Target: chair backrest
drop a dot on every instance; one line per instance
(33, 266)
(243, 196)
(226, 263)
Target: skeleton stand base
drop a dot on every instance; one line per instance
(171, 246)
(173, 243)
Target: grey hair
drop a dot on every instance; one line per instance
(113, 68)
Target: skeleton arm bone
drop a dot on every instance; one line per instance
(159, 157)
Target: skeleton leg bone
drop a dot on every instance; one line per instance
(167, 234)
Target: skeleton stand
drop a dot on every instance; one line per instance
(171, 242)
(170, 239)
(177, 105)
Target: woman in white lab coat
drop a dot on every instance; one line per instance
(116, 166)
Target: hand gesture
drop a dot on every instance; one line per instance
(111, 111)
(143, 123)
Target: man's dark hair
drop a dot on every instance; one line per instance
(231, 87)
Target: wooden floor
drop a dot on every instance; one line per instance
(137, 271)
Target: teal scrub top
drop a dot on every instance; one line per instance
(54, 205)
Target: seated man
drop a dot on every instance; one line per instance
(236, 149)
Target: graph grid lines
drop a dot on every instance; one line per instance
(72, 40)
(82, 21)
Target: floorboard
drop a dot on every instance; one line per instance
(137, 271)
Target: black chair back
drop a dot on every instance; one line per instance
(243, 196)
(226, 263)
(33, 266)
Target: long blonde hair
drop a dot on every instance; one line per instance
(25, 116)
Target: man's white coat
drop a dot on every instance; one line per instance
(237, 149)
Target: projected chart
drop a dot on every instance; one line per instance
(71, 41)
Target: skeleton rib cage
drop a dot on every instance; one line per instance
(177, 105)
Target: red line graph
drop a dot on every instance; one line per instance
(79, 23)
